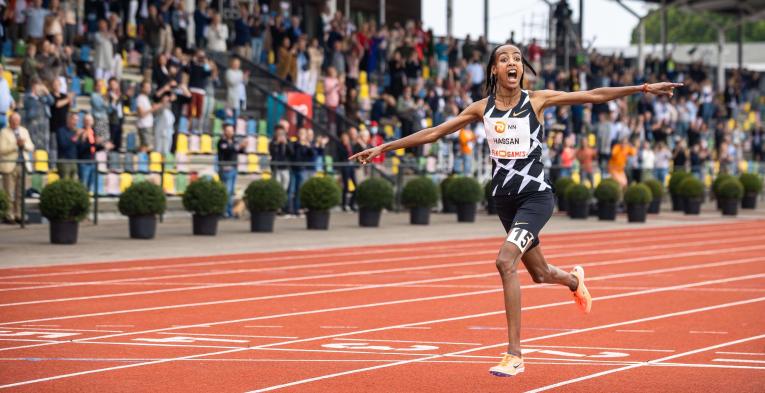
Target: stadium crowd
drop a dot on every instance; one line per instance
(390, 80)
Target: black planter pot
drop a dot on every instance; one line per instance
(562, 203)
(719, 203)
(677, 203)
(577, 209)
(636, 213)
(317, 219)
(749, 201)
(262, 221)
(466, 212)
(142, 227)
(655, 206)
(729, 207)
(63, 232)
(205, 225)
(419, 216)
(369, 217)
(692, 206)
(607, 211)
(448, 206)
(491, 207)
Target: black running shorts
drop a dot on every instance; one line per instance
(523, 216)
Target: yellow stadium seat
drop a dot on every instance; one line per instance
(743, 166)
(394, 167)
(253, 163)
(155, 161)
(592, 140)
(429, 122)
(426, 72)
(731, 124)
(266, 175)
(388, 131)
(126, 180)
(575, 177)
(364, 91)
(169, 183)
(708, 180)
(271, 57)
(52, 176)
(205, 144)
(400, 152)
(320, 88)
(363, 77)
(41, 161)
(596, 178)
(351, 186)
(8, 78)
(320, 97)
(262, 145)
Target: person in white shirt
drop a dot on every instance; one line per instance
(217, 34)
(14, 140)
(7, 102)
(647, 160)
(145, 122)
(662, 157)
(236, 94)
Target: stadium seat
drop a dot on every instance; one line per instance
(101, 159)
(87, 85)
(205, 144)
(168, 183)
(241, 164)
(85, 54)
(37, 181)
(21, 48)
(112, 186)
(131, 141)
(252, 126)
(364, 91)
(241, 127)
(155, 178)
(100, 184)
(253, 163)
(52, 176)
(329, 164)
(182, 144)
(252, 144)
(76, 86)
(262, 127)
(7, 48)
(426, 72)
(126, 180)
(129, 162)
(217, 127)
(41, 161)
(182, 163)
(155, 162)
(181, 182)
(143, 162)
(170, 163)
(194, 144)
(115, 162)
(320, 98)
(262, 145)
(183, 124)
(8, 76)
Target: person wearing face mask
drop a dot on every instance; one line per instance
(522, 194)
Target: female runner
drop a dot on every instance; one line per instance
(522, 194)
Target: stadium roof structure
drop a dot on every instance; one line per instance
(748, 9)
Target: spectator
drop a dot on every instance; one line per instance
(29, 67)
(316, 59)
(145, 123)
(647, 161)
(67, 147)
(35, 16)
(217, 34)
(476, 72)
(7, 103)
(59, 110)
(86, 151)
(163, 123)
(279, 149)
(14, 142)
(228, 151)
(257, 30)
(243, 34)
(116, 113)
(302, 65)
(236, 94)
(347, 171)
(300, 156)
(586, 155)
(37, 103)
(201, 21)
(619, 155)
(661, 164)
(567, 156)
(100, 111)
(104, 51)
(680, 156)
(199, 75)
(285, 62)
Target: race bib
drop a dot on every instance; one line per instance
(509, 138)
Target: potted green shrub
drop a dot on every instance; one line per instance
(141, 203)
(5, 204)
(675, 179)
(373, 195)
(491, 207)
(465, 192)
(752, 187)
(637, 197)
(577, 201)
(729, 193)
(657, 192)
(448, 206)
(263, 199)
(318, 195)
(64, 203)
(716, 187)
(206, 199)
(692, 191)
(608, 193)
(419, 196)
(561, 185)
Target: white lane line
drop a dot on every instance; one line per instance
(414, 327)
(672, 244)
(31, 340)
(115, 325)
(404, 341)
(41, 326)
(222, 335)
(635, 330)
(738, 360)
(607, 372)
(264, 326)
(601, 327)
(66, 330)
(338, 327)
(732, 279)
(742, 353)
(705, 332)
(376, 249)
(605, 348)
(294, 294)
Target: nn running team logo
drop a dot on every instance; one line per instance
(500, 127)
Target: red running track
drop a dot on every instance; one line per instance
(676, 309)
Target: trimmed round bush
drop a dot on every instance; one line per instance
(675, 179)
(142, 199)
(445, 184)
(319, 194)
(265, 195)
(375, 193)
(691, 187)
(577, 193)
(719, 180)
(464, 189)
(5, 203)
(608, 191)
(205, 197)
(64, 200)
(419, 192)
(657, 189)
(638, 194)
(731, 188)
(752, 183)
(562, 184)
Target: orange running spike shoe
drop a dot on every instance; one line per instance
(581, 295)
(509, 366)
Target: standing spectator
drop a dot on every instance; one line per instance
(567, 155)
(236, 94)
(301, 156)
(463, 162)
(257, 30)
(302, 65)
(29, 67)
(347, 171)
(163, 123)
(476, 72)
(145, 123)
(152, 27)
(116, 113)
(35, 16)
(442, 57)
(86, 151)
(180, 22)
(199, 74)
(100, 111)
(661, 164)
(647, 160)
(243, 34)
(201, 20)
(285, 59)
(278, 149)
(7, 103)
(316, 59)
(14, 142)
(104, 51)
(680, 156)
(332, 91)
(67, 148)
(217, 34)
(604, 142)
(619, 155)
(586, 155)
(228, 151)
(698, 157)
(37, 114)
(59, 110)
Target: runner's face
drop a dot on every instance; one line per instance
(508, 67)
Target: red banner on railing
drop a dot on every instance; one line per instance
(302, 103)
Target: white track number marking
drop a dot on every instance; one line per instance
(6, 333)
(414, 348)
(601, 355)
(185, 339)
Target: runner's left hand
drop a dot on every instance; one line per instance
(663, 88)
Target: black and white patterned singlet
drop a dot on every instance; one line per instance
(515, 143)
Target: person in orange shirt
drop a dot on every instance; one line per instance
(463, 162)
(618, 160)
